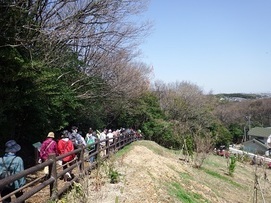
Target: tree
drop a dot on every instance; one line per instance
(57, 57)
(185, 103)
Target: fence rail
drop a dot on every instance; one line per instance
(56, 190)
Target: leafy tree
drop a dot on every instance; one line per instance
(236, 132)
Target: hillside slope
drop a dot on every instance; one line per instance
(151, 173)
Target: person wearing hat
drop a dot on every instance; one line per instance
(48, 146)
(16, 165)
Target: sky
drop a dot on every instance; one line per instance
(222, 46)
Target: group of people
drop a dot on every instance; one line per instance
(67, 143)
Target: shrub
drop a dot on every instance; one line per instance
(114, 176)
(232, 165)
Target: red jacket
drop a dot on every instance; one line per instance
(64, 146)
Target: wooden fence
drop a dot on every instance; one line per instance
(56, 190)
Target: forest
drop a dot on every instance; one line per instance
(77, 62)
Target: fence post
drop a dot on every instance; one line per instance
(82, 165)
(97, 148)
(107, 146)
(53, 174)
(114, 143)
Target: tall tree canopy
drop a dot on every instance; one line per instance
(64, 60)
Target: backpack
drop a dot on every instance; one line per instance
(75, 138)
(6, 172)
(90, 143)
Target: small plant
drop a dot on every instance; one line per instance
(114, 176)
(243, 158)
(117, 199)
(232, 165)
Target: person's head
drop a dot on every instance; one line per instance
(74, 128)
(90, 130)
(51, 135)
(12, 146)
(65, 134)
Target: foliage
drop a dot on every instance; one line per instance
(220, 134)
(220, 177)
(243, 158)
(114, 176)
(112, 172)
(45, 73)
(189, 146)
(236, 132)
(232, 165)
(78, 193)
(185, 196)
(33, 94)
(145, 113)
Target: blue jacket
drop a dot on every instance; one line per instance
(17, 166)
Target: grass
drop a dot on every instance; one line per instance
(185, 176)
(213, 163)
(221, 177)
(155, 148)
(186, 196)
(123, 151)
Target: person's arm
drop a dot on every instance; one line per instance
(83, 141)
(60, 147)
(42, 147)
(19, 167)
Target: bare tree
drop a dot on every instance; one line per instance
(203, 148)
(102, 34)
(94, 29)
(186, 103)
(190, 112)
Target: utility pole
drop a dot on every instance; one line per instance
(245, 134)
(249, 123)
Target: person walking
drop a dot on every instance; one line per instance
(90, 145)
(76, 138)
(48, 146)
(64, 146)
(15, 165)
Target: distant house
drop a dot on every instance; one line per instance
(259, 133)
(257, 142)
(255, 146)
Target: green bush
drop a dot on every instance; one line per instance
(114, 176)
(232, 165)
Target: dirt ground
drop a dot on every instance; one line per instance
(152, 174)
